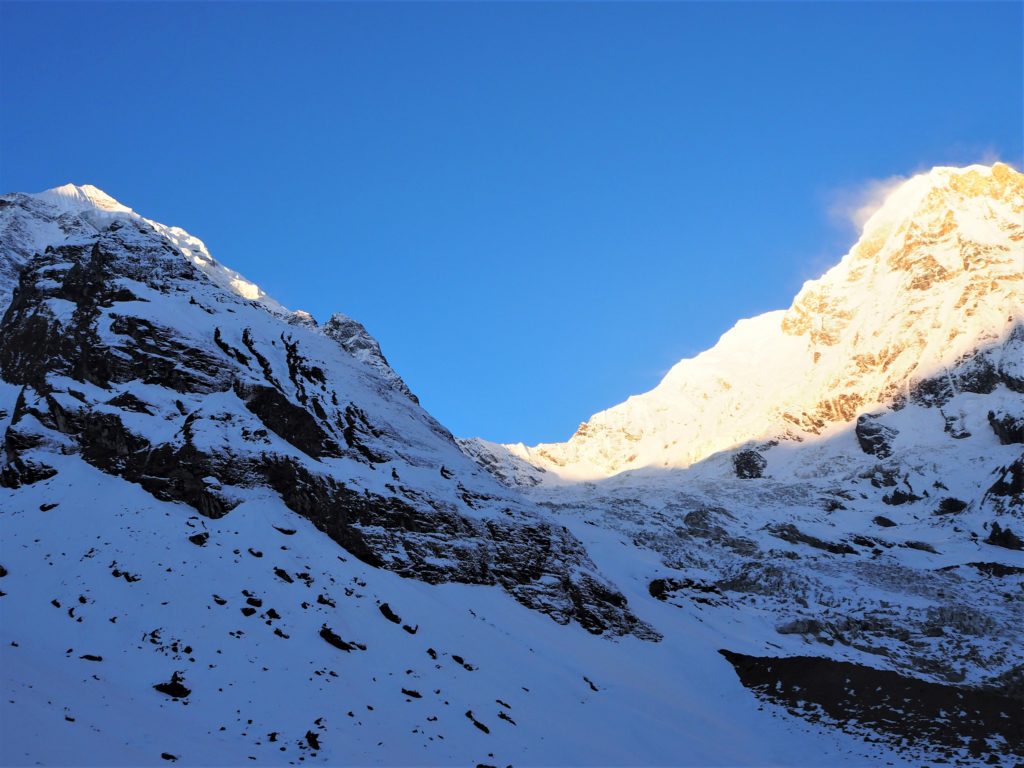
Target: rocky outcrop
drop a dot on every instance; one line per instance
(132, 358)
(904, 710)
(353, 337)
(1009, 427)
(1004, 537)
(874, 438)
(749, 464)
(1006, 494)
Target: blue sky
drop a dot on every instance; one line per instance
(536, 208)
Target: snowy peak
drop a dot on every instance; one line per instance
(134, 352)
(937, 274)
(933, 229)
(71, 198)
(71, 213)
(353, 337)
(29, 223)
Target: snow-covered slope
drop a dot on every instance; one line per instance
(73, 214)
(851, 470)
(291, 649)
(937, 273)
(131, 357)
(232, 536)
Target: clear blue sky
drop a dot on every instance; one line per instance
(537, 209)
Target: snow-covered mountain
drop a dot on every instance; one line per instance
(231, 535)
(69, 214)
(936, 275)
(851, 469)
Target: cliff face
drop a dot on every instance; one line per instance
(150, 361)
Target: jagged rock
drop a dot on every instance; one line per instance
(174, 687)
(255, 408)
(688, 589)
(511, 470)
(874, 438)
(332, 638)
(950, 506)
(1010, 483)
(899, 496)
(1004, 537)
(882, 476)
(998, 570)
(353, 337)
(1009, 428)
(749, 464)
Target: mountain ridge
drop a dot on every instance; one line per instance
(212, 504)
(851, 340)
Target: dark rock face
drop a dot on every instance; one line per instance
(131, 358)
(749, 464)
(950, 506)
(980, 372)
(1009, 428)
(288, 421)
(353, 337)
(1004, 537)
(173, 687)
(874, 438)
(1007, 492)
(687, 590)
(789, 532)
(897, 707)
(899, 496)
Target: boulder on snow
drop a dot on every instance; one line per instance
(1004, 537)
(950, 506)
(749, 464)
(874, 438)
(1009, 427)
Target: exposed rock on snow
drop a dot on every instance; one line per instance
(749, 464)
(355, 340)
(894, 383)
(131, 354)
(874, 438)
(183, 457)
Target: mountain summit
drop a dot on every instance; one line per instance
(848, 471)
(70, 214)
(71, 198)
(937, 274)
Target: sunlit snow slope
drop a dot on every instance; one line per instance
(231, 536)
(937, 273)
